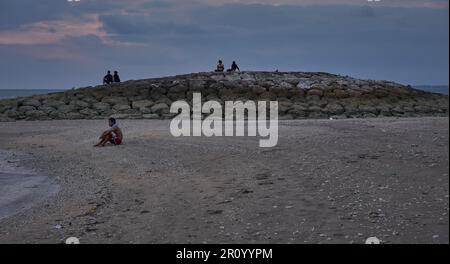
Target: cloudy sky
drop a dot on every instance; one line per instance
(47, 44)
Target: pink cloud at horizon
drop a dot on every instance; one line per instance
(50, 32)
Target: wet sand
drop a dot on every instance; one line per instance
(21, 189)
(327, 181)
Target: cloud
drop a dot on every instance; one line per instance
(48, 32)
(151, 38)
(17, 13)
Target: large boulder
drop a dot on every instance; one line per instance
(46, 109)
(339, 93)
(151, 116)
(52, 103)
(315, 92)
(334, 109)
(159, 108)
(12, 113)
(26, 108)
(88, 112)
(115, 100)
(31, 102)
(101, 107)
(121, 107)
(66, 108)
(179, 88)
(368, 109)
(196, 85)
(142, 104)
(35, 114)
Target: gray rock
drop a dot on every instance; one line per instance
(368, 109)
(150, 116)
(179, 88)
(102, 107)
(314, 108)
(31, 102)
(284, 106)
(4, 118)
(317, 115)
(267, 96)
(88, 112)
(12, 113)
(74, 116)
(46, 109)
(26, 108)
(158, 90)
(196, 85)
(338, 93)
(119, 116)
(66, 108)
(121, 107)
(334, 109)
(315, 92)
(52, 103)
(81, 104)
(286, 117)
(145, 110)
(35, 114)
(142, 104)
(305, 84)
(177, 96)
(115, 100)
(168, 115)
(159, 108)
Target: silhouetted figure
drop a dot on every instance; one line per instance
(116, 77)
(108, 78)
(234, 67)
(220, 67)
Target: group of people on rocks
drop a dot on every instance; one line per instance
(220, 67)
(108, 79)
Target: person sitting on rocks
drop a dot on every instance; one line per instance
(116, 77)
(220, 67)
(108, 78)
(234, 67)
(112, 135)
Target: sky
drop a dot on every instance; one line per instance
(58, 44)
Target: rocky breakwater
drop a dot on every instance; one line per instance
(300, 96)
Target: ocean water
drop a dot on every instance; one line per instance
(11, 93)
(443, 89)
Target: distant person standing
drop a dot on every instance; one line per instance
(108, 78)
(220, 67)
(116, 77)
(234, 67)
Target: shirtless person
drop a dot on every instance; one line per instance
(113, 135)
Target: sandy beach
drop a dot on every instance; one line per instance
(327, 181)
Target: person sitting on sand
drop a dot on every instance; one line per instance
(112, 135)
(116, 77)
(108, 78)
(220, 67)
(234, 67)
